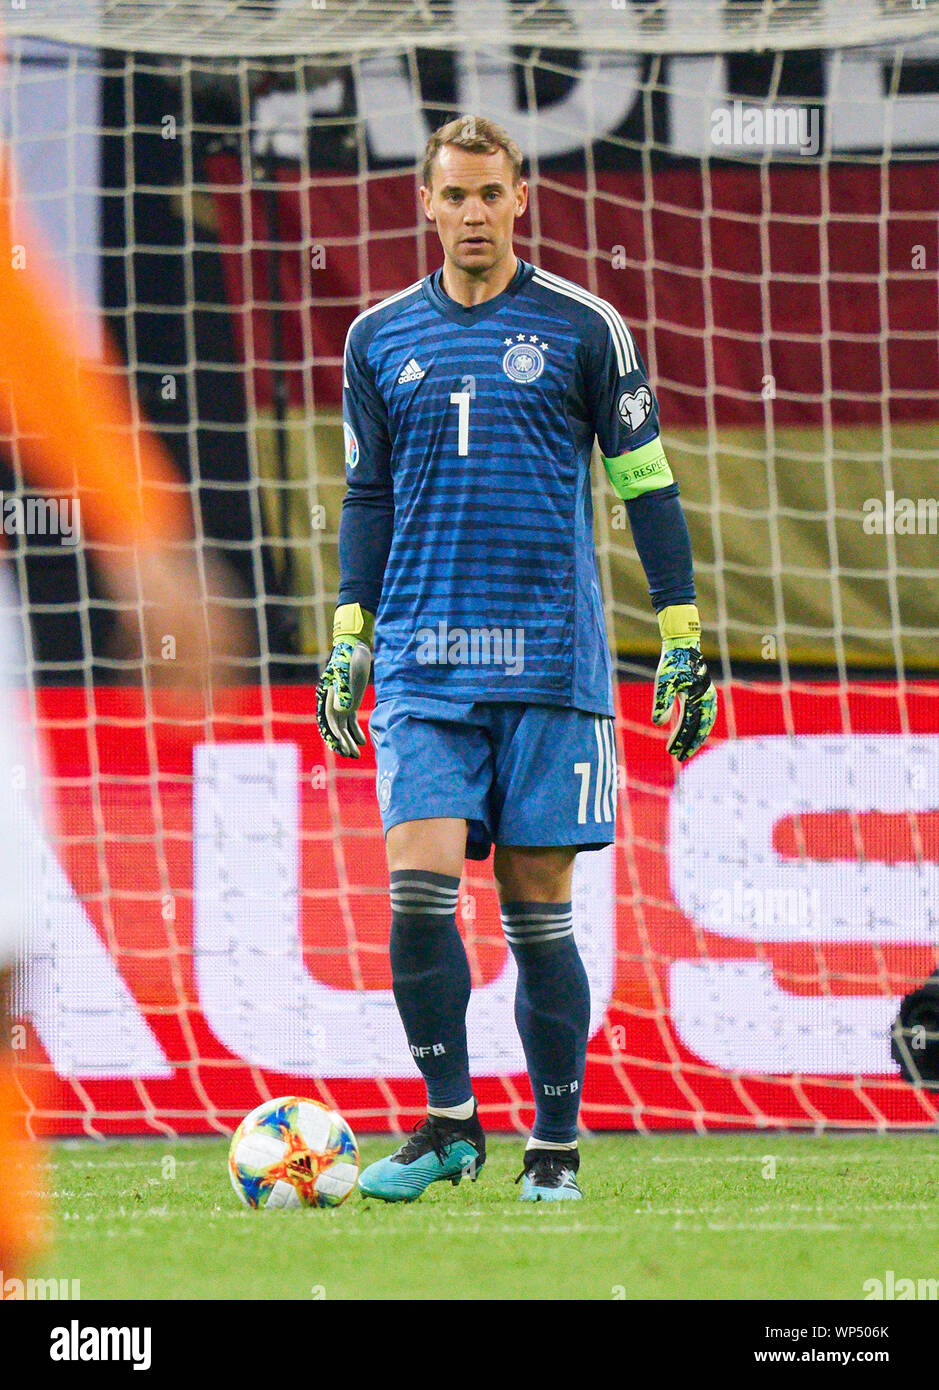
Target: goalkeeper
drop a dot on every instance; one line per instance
(471, 403)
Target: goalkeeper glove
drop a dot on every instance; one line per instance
(342, 684)
(683, 675)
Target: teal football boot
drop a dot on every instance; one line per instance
(439, 1148)
(550, 1175)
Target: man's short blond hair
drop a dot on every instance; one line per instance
(477, 135)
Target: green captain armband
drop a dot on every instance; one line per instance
(644, 470)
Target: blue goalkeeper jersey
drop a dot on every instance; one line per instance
(476, 426)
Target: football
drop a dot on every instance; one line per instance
(293, 1152)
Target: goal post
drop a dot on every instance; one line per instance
(755, 188)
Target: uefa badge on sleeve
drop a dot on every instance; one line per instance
(352, 445)
(635, 407)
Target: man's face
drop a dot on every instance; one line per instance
(474, 204)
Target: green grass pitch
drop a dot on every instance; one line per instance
(719, 1217)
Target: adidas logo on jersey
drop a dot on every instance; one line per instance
(413, 371)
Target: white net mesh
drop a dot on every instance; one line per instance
(269, 28)
(766, 224)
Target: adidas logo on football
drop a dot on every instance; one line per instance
(413, 371)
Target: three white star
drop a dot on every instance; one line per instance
(520, 338)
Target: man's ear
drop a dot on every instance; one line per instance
(425, 204)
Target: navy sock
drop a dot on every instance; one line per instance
(431, 980)
(552, 1011)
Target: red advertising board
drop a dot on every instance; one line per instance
(212, 922)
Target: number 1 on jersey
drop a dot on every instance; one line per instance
(461, 399)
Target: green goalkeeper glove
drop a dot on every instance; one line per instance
(683, 676)
(342, 684)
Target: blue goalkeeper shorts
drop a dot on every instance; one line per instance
(519, 774)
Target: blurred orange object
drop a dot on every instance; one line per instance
(77, 434)
(73, 417)
(22, 1223)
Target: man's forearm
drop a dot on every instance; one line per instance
(660, 534)
(365, 531)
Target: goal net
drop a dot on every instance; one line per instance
(755, 188)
